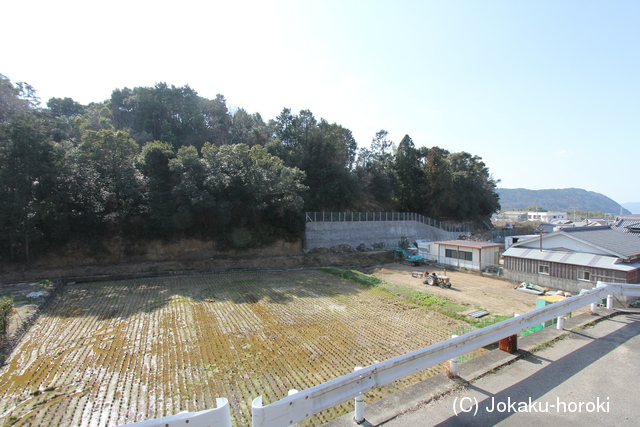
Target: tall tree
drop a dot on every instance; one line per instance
(248, 129)
(438, 191)
(110, 156)
(27, 180)
(158, 184)
(325, 152)
(197, 190)
(475, 190)
(217, 120)
(410, 176)
(66, 114)
(375, 171)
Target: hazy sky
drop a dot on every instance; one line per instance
(546, 92)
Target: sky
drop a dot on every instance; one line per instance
(546, 92)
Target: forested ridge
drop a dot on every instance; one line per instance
(559, 199)
(164, 162)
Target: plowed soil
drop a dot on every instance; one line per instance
(111, 353)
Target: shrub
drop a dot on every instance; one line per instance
(6, 308)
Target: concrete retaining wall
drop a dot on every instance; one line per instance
(353, 233)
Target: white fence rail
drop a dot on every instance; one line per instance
(306, 403)
(218, 417)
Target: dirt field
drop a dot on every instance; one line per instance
(481, 293)
(110, 353)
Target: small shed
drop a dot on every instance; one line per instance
(471, 255)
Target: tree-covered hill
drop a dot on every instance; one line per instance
(565, 200)
(164, 162)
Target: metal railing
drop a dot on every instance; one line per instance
(218, 417)
(301, 405)
(384, 216)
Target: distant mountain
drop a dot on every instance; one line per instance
(564, 200)
(633, 207)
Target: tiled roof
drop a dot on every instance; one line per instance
(628, 224)
(602, 238)
(624, 245)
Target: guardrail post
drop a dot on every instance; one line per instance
(510, 343)
(609, 302)
(560, 324)
(291, 392)
(359, 404)
(453, 363)
(594, 308)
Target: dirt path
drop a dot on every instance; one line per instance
(481, 293)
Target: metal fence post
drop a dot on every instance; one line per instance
(560, 324)
(359, 404)
(594, 308)
(609, 302)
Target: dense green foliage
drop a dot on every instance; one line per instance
(163, 162)
(564, 200)
(6, 308)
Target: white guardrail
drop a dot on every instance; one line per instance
(218, 417)
(301, 405)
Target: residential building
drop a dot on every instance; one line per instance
(574, 258)
(468, 254)
(546, 216)
(629, 224)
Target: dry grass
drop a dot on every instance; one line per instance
(118, 352)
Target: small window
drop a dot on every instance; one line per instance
(584, 275)
(543, 269)
(467, 256)
(449, 253)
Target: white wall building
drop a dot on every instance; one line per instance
(466, 254)
(545, 216)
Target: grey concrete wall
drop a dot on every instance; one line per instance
(550, 282)
(328, 234)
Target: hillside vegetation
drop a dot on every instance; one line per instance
(163, 162)
(565, 200)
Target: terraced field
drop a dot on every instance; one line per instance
(111, 353)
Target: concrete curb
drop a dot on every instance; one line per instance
(418, 395)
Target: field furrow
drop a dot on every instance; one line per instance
(110, 353)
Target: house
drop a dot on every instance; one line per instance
(510, 240)
(467, 254)
(591, 222)
(574, 258)
(628, 224)
(545, 216)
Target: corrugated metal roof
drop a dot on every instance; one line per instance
(604, 238)
(573, 258)
(470, 244)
